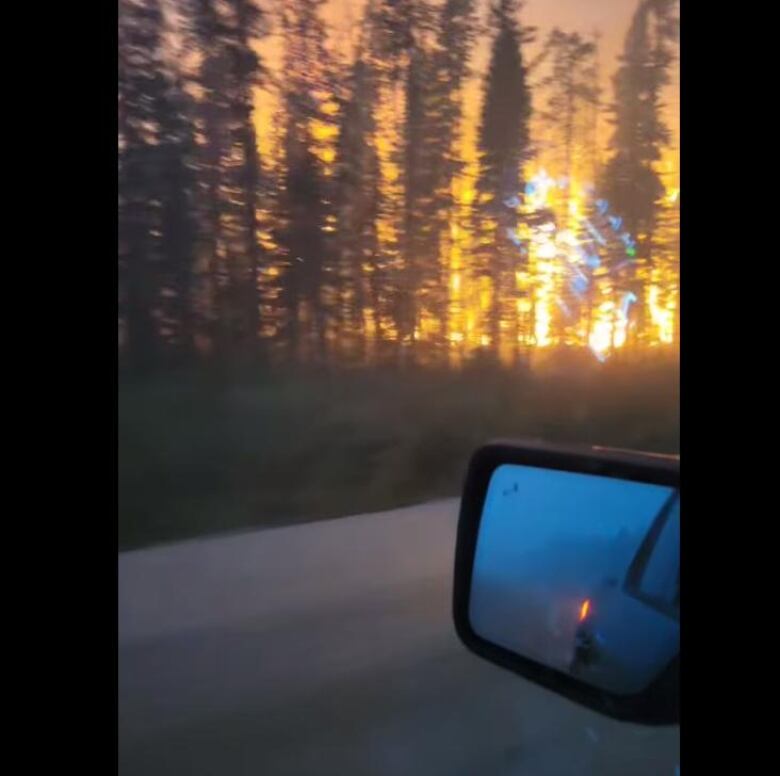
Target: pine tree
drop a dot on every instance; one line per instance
(631, 182)
(304, 205)
(142, 90)
(177, 152)
(504, 146)
(247, 72)
(356, 202)
(455, 35)
(420, 276)
(229, 169)
(388, 46)
(571, 92)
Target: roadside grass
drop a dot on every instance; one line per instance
(200, 455)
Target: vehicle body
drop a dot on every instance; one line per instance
(639, 619)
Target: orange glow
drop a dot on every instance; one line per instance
(584, 609)
(528, 294)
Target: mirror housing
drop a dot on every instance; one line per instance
(658, 702)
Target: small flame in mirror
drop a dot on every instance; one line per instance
(578, 572)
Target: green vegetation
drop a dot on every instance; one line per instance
(201, 455)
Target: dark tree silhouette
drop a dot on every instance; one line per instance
(455, 35)
(229, 170)
(155, 144)
(504, 144)
(571, 90)
(418, 277)
(177, 151)
(438, 68)
(630, 181)
(303, 207)
(341, 242)
(356, 203)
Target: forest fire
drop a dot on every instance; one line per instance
(391, 203)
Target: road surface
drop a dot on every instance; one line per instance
(328, 648)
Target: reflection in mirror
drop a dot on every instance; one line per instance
(580, 573)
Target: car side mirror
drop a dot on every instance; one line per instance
(567, 572)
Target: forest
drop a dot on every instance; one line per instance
(397, 207)
(350, 253)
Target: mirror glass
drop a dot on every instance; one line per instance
(580, 573)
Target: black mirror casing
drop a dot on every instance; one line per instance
(658, 704)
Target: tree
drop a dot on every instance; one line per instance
(247, 72)
(441, 70)
(229, 169)
(388, 45)
(571, 89)
(419, 277)
(304, 208)
(392, 24)
(426, 53)
(142, 94)
(504, 146)
(455, 34)
(631, 181)
(356, 203)
(176, 151)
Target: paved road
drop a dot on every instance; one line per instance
(328, 648)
